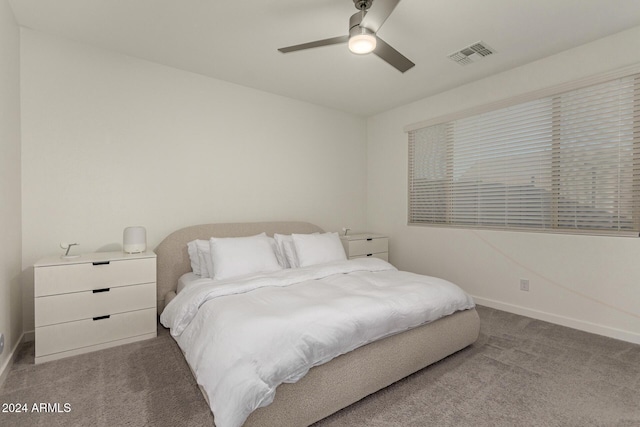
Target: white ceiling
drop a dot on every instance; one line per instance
(236, 40)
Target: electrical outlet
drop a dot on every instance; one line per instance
(1, 343)
(524, 285)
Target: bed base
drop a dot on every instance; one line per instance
(348, 378)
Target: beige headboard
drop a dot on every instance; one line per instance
(173, 259)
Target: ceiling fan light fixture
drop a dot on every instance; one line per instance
(362, 42)
(362, 38)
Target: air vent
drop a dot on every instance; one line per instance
(472, 53)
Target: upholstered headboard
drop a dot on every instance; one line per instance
(173, 259)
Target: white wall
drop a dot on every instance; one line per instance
(10, 222)
(111, 141)
(591, 283)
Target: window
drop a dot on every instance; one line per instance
(567, 162)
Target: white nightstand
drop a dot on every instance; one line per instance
(361, 245)
(96, 301)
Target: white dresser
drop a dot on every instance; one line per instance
(361, 245)
(96, 301)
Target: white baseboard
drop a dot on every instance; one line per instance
(6, 366)
(29, 336)
(581, 325)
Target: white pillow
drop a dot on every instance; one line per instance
(204, 253)
(282, 260)
(239, 256)
(312, 249)
(200, 257)
(192, 249)
(286, 250)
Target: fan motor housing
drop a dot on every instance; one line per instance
(362, 4)
(358, 30)
(355, 20)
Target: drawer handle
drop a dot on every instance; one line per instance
(369, 239)
(102, 317)
(97, 291)
(369, 254)
(101, 262)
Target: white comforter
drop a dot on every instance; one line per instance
(244, 337)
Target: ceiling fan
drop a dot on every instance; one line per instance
(362, 38)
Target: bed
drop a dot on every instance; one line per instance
(345, 379)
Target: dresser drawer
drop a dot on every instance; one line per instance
(88, 304)
(85, 333)
(59, 279)
(367, 246)
(382, 255)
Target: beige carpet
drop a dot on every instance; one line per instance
(521, 372)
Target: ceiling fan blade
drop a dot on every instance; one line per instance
(392, 56)
(378, 13)
(318, 43)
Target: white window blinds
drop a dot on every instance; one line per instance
(568, 162)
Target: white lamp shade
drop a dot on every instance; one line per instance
(362, 44)
(134, 240)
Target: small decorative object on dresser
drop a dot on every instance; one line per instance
(92, 302)
(134, 240)
(361, 245)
